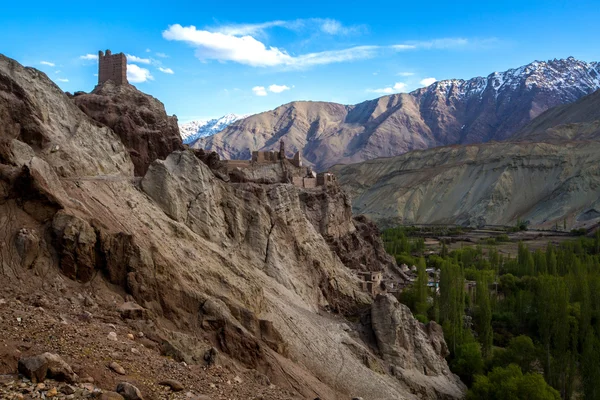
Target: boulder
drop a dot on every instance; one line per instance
(117, 368)
(131, 310)
(129, 392)
(175, 385)
(47, 365)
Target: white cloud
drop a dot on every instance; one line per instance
(89, 57)
(334, 27)
(138, 74)
(57, 72)
(278, 88)
(249, 51)
(138, 59)
(161, 55)
(259, 90)
(428, 81)
(398, 87)
(405, 73)
(248, 29)
(62, 79)
(48, 63)
(444, 43)
(147, 50)
(166, 70)
(387, 90)
(235, 43)
(331, 26)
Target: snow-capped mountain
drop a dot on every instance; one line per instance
(448, 112)
(192, 131)
(571, 78)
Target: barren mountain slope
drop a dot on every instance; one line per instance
(494, 183)
(446, 112)
(249, 269)
(575, 121)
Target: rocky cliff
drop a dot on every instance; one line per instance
(137, 118)
(234, 279)
(447, 112)
(488, 184)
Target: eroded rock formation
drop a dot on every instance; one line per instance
(415, 352)
(139, 119)
(199, 262)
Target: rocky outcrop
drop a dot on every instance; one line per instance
(139, 119)
(477, 185)
(447, 112)
(415, 352)
(76, 246)
(240, 267)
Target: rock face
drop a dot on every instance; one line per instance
(416, 352)
(139, 119)
(489, 184)
(245, 268)
(447, 112)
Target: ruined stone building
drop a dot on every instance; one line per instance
(293, 171)
(112, 67)
(370, 281)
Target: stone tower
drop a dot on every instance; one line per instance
(281, 150)
(112, 67)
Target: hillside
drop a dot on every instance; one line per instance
(444, 113)
(237, 290)
(576, 121)
(485, 184)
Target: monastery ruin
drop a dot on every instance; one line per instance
(295, 173)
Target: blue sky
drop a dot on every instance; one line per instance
(207, 58)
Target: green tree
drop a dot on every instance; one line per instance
(467, 361)
(483, 316)
(452, 303)
(520, 351)
(590, 367)
(422, 291)
(510, 384)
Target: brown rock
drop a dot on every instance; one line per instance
(129, 392)
(175, 386)
(76, 243)
(111, 396)
(117, 368)
(49, 365)
(28, 244)
(139, 119)
(131, 310)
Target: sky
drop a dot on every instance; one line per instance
(204, 59)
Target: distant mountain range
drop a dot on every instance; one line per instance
(447, 112)
(192, 131)
(556, 182)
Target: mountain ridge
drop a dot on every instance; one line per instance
(193, 130)
(447, 112)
